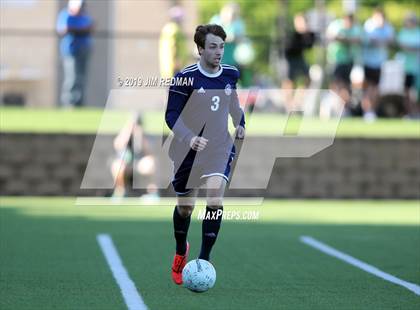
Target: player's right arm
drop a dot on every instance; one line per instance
(177, 99)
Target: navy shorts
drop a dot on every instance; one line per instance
(342, 73)
(190, 176)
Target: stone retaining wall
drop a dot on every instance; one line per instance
(54, 164)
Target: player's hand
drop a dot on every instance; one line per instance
(198, 143)
(240, 132)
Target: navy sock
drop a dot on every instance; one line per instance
(210, 228)
(181, 225)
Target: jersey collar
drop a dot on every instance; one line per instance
(212, 75)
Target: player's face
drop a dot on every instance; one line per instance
(213, 51)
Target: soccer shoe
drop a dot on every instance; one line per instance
(179, 263)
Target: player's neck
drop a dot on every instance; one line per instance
(208, 68)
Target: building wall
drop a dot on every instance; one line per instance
(126, 41)
(28, 54)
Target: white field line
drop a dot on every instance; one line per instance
(359, 264)
(131, 296)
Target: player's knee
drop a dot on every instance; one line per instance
(215, 208)
(185, 210)
(214, 202)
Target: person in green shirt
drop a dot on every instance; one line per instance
(231, 21)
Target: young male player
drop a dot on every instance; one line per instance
(202, 149)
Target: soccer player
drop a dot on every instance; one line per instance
(202, 149)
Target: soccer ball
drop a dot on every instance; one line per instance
(198, 275)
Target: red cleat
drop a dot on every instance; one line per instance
(179, 263)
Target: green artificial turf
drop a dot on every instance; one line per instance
(89, 120)
(50, 258)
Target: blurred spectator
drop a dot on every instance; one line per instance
(173, 53)
(343, 37)
(409, 42)
(75, 26)
(238, 49)
(132, 152)
(297, 41)
(229, 18)
(378, 35)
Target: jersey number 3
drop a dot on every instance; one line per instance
(215, 105)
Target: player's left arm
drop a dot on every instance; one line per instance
(237, 114)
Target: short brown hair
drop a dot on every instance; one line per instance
(202, 30)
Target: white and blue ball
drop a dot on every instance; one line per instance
(199, 275)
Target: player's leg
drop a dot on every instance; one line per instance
(182, 218)
(181, 222)
(213, 217)
(186, 196)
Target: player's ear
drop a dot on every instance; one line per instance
(200, 50)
